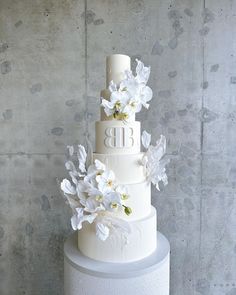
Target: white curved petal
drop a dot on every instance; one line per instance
(71, 150)
(102, 231)
(70, 166)
(146, 139)
(99, 165)
(67, 187)
(142, 72)
(82, 156)
(112, 86)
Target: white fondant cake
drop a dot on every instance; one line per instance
(118, 147)
(119, 247)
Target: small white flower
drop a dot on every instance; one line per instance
(106, 181)
(122, 191)
(112, 201)
(93, 205)
(67, 187)
(102, 231)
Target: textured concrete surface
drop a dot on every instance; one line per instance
(52, 55)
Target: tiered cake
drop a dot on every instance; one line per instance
(118, 147)
(110, 194)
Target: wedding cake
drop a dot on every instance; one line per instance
(110, 189)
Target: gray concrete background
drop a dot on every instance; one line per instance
(52, 58)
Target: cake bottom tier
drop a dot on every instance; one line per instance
(120, 247)
(86, 276)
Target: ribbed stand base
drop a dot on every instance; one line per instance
(84, 276)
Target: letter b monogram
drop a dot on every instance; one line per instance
(119, 137)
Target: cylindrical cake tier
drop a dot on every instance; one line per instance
(139, 201)
(120, 247)
(127, 168)
(86, 276)
(116, 65)
(117, 137)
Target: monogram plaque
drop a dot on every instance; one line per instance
(119, 137)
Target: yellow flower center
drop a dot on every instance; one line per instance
(99, 198)
(109, 183)
(113, 205)
(124, 197)
(117, 105)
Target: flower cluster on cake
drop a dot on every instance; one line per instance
(110, 193)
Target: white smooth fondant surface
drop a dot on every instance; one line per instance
(117, 137)
(86, 276)
(139, 201)
(120, 247)
(127, 168)
(116, 65)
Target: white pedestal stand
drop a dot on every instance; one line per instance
(85, 276)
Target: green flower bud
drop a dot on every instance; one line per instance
(128, 210)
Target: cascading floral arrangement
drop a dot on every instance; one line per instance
(130, 95)
(93, 195)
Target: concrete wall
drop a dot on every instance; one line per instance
(52, 55)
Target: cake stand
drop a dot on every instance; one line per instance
(85, 276)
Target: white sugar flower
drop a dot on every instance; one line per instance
(129, 97)
(93, 204)
(79, 217)
(142, 72)
(93, 194)
(102, 231)
(153, 160)
(67, 187)
(112, 201)
(106, 181)
(123, 191)
(118, 99)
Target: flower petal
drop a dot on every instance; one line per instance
(70, 150)
(67, 187)
(99, 165)
(82, 155)
(146, 139)
(102, 231)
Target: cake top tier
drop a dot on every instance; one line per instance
(116, 65)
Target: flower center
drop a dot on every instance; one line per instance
(124, 197)
(99, 198)
(113, 205)
(133, 104)
(117, 105)
(109, 183)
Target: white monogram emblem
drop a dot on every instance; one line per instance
(119, 137)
